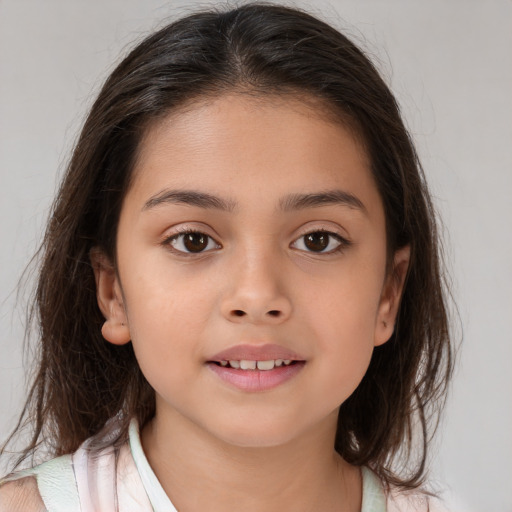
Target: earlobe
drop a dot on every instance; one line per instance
(110, 301)
(391, 296)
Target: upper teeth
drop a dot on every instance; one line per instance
(245, 364)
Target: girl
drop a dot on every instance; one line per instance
(240, 300)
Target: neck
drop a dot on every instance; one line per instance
(200, 472)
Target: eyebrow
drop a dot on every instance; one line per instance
(190, 198)
(318, 199)
(291, 202)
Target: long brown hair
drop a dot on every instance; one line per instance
(82, 381)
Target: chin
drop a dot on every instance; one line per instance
(258, 435)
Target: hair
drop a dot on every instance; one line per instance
(81, 381)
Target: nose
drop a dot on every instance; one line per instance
(256, 293)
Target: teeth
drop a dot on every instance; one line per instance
(265, 365)
(245, 364)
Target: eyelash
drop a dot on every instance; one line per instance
(343, 243)
(168, 242)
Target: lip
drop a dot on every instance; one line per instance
(251, 352)
(256, 380)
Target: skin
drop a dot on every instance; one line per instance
(257, 282)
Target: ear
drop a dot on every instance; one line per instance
(391, 295)
(110, 299)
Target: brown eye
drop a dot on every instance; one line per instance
(321, 242)
(317, 241)
(191, 242)
(195, 242)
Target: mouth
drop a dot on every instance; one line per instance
(252, 356)
(251, 368)
(248, 365)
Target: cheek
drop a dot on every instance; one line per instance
(167, 315)
(343, 321)
(159, 294)
(347, 306)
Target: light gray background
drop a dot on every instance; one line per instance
(449, 63)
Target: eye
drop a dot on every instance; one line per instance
(320, 242)
(191, 242)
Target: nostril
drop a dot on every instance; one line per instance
(275, 313)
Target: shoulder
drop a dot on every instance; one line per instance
(83, 481)
(21, 495)
(413, 501)
(50, 486)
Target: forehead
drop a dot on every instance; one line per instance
(247, 144)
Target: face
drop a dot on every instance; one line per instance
(251, 269)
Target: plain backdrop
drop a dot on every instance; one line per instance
(450, 65)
